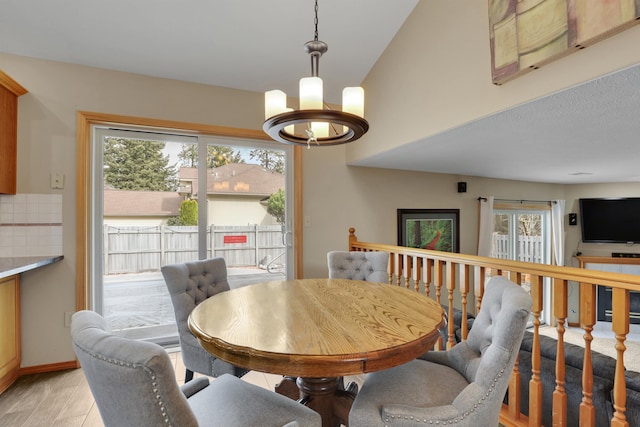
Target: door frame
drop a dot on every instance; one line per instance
(84, 220)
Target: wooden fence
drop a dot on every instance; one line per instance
(139, 249)
(529, 248)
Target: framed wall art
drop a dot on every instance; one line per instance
(526, 34)
(434, 229)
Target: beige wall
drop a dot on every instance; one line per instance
(433, 76)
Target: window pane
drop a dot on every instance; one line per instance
(501, 246)
(146, 224)
(529, 244)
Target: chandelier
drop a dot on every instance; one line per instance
(314, 123)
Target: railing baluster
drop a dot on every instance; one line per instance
(620, 326)
(478, 288)
(408, 266)
(392, 266)
(438, 266)
(515, 277)
(587, 320)
(464, 292)
(428, 276)
(417, 270)
(514, 382)
(514, 392)
(451, 287)
(560, 312)
(535, 384)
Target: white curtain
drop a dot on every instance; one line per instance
(557, 231)
(485, 232)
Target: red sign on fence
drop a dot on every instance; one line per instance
(235, 239)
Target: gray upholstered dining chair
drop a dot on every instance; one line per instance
(369, 266)
(463, 386)
(357, 265)
(134, 384)
(189, 284)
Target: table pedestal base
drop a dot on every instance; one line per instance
(327, 397)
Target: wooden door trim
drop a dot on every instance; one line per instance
(86, 119)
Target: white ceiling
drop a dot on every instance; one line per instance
(586, 134)
(255, 45)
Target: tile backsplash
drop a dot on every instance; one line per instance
(30, 225)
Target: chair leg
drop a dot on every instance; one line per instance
(188, 376)
(352, 387)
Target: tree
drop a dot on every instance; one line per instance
(188, 214)
(188, 156)
(529, 224)
(217, 155)
(138, 165)
(269, 159)
(222, 155)
(276, 205)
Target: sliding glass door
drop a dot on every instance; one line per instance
(163, 198)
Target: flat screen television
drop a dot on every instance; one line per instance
(610, 220)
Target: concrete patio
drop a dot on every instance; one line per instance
(138, 305)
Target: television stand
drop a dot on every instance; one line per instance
(624, 255)
(616, 264)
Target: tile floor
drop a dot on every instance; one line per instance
(63, 399)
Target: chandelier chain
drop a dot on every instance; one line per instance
(316, 21)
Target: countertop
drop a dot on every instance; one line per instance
(11, 266)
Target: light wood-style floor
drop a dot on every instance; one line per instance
(64, 398)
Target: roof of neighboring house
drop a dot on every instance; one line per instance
(141, 203)
(236, 178)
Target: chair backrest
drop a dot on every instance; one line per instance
(489, 353)
(369, 266)
(191, 283)
(133, 382)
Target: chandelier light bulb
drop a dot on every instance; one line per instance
(353, 100)
(275, 102)
(311, 93)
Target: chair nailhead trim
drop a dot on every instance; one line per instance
(466, 414)
(122, 363)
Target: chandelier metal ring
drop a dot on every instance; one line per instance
(275, 126)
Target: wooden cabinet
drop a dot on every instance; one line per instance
(10, 90)
(10, 350)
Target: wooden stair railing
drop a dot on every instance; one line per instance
(434, 273)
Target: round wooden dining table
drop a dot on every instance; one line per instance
(318, 330)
